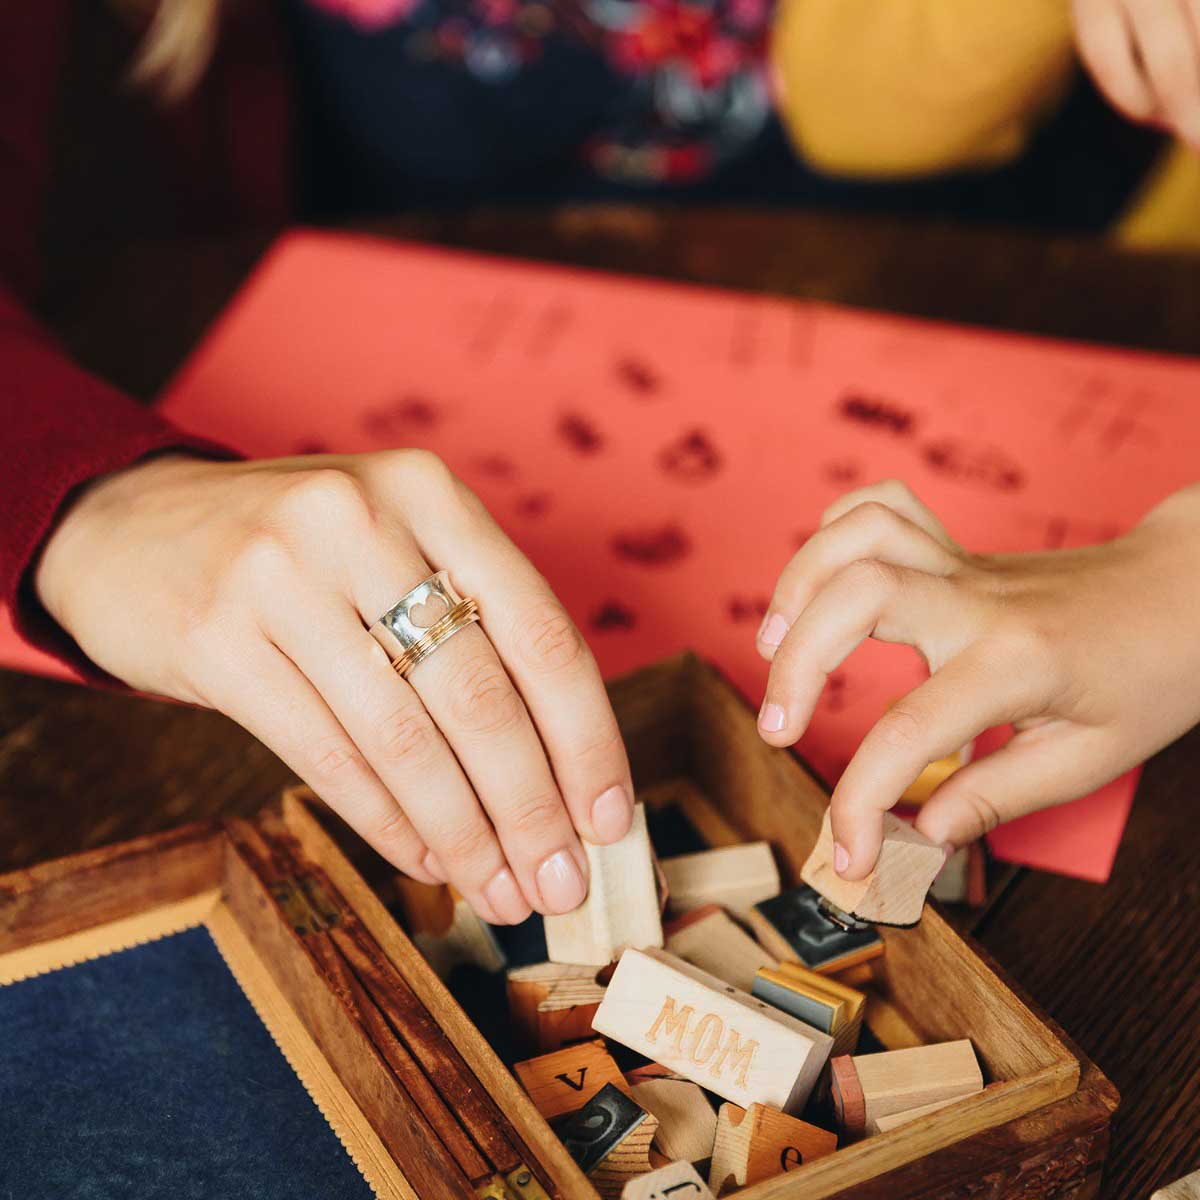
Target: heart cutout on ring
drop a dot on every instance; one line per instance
(429, 612)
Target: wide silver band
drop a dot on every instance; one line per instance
(422, 620)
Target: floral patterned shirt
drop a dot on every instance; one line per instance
(457, 101)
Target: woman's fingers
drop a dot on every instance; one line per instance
(397, 736)
(870, 529)
(1166, 40)
(1105, 36)
(984, 686)
(542, 650)
(863, 600)
(468, 693)
(1039, 767)
(265, 693)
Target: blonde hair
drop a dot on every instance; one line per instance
(178, 42)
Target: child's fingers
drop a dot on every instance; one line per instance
(870, 530)
(1039, 768)
(897, 495)
(980, 688)
(1106, 44)
(1166, 42)
(865, 599)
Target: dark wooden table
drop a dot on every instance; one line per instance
(1115, 965)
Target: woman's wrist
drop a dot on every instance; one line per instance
(87, 516)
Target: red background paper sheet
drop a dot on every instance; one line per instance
(660, 451)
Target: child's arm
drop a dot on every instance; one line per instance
(913, 87)
(1093, 654)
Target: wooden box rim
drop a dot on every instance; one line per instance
(1067, 1093)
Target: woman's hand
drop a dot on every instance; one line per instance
(1093, 654)
(249, 588)
(1145, 57)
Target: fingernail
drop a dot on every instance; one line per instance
(612, 813)
(433, 865)
(774, 630)
(560, 884)
(771, 719)
(505, 898)
(841, 858)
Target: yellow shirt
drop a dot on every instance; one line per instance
(893, 89)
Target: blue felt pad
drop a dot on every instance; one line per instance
(148, 1074)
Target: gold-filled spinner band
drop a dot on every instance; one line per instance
(464, 613)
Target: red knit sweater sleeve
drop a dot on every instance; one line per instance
(59, 426)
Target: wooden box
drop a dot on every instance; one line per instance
(416, 1093)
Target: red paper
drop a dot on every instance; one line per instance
(660, 451)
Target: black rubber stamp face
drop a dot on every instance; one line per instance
(591, 1134)
(816, 940)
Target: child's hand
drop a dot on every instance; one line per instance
(1145, 57)
(1093, 654)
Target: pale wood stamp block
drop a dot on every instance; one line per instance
(687, 1123)
(895, 1120)
(563, 1082)
(758, 1143)
(445, 928)
(733, 877)
(710, 939)
(867, 1087)
(621, 909)
(894, 892)
(710, 1032)
(675, 1181)
(552, 1004)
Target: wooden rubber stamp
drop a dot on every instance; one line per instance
(445, 928)
(710, 1032)
(621, 908)
(756, 1143)
(733, 877)
(797, 924)
(675, 1181)
(895, 1120)
(610, 1140)
(563, 1082)
(552, 1004)
(817, 1000)
(687, 1122)
(894, 892)
(710, 939)
(866, 1087)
